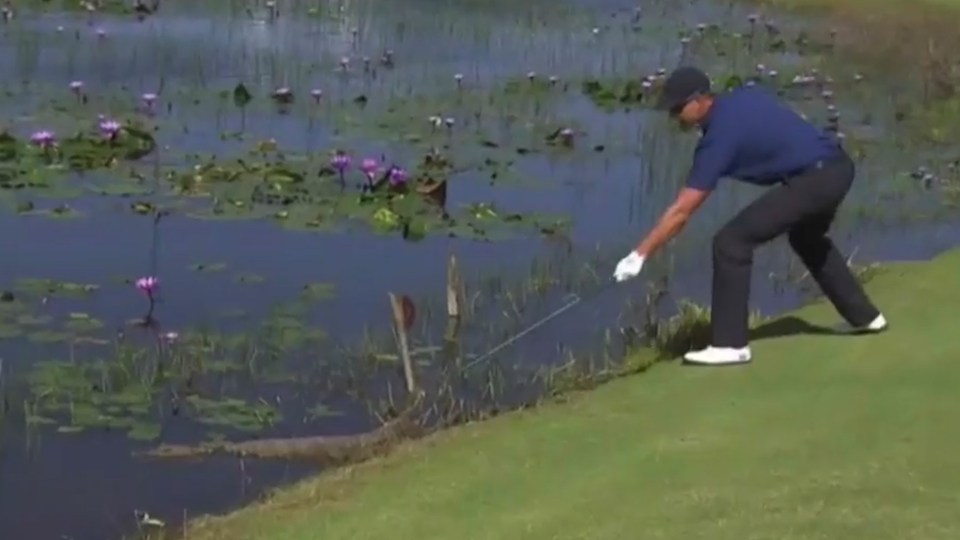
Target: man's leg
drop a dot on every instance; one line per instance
(774, 213)
(733, 247)
(828, 268)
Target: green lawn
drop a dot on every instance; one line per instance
(822, 437)
(863, 3)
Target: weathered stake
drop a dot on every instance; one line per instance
(454, 289)
(455, 308)
(400, 325)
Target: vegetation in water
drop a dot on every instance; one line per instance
(375, 142)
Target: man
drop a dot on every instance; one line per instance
(750, 135)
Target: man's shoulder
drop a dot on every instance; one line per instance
(744, 107)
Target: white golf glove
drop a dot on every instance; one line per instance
(628, 267)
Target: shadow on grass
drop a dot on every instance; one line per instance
(793, 326)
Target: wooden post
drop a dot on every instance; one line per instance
(400, 324)
(454, 289)
(455, 310)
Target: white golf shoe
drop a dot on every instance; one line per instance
(718, 356)
(877, 325)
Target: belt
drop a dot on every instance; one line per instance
(817, 165)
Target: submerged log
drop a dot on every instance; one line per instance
(335, 449)
(326, 450)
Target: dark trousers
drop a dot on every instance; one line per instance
(803, 207)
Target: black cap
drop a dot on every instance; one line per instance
(684, 84)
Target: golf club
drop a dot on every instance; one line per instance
(572, 300)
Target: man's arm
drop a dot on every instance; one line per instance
(673, 220)
(711, 161)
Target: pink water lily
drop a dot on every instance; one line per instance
(149, 99)
(369, 167)
(147, 284)
(398, 176)
(341, 162)
(44, 139)
(110, 128)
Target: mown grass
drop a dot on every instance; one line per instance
(867, 4)
(824, 436)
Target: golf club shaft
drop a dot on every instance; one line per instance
(529, 329)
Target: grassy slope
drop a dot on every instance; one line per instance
(822, 437)
(920, 4)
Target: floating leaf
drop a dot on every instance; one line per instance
(55, 288)
(321, 410)
(208, 267)
(319, 291)
(9, 332)
(49, 336)
(250, 278)
(241, 96)
(144, 431)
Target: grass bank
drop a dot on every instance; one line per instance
(916, 55)
(919, 39)
(824, 436)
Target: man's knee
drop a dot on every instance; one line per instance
(811, 248)
(798, 241)
(803, 241)
(729, 244)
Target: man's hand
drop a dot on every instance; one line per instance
(628, 267)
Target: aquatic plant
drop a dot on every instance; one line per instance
(110, 129)
(398, 176)
(148, 285)
(483, 133)
(341, 162)
(44, 139)
(369, 167)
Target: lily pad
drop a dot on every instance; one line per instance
(208, 267)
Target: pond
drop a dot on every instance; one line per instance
(206, 207)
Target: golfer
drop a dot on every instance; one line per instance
(748, 134)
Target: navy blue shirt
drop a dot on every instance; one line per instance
(750, 135)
